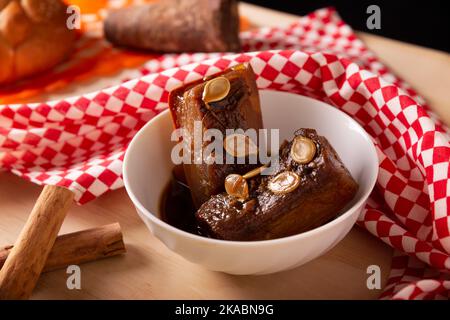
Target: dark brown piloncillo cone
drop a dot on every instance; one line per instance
(176, 26)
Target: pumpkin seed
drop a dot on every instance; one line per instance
(236, 185)
(254, 172)
(303, 150)
(215, 90)
(239, 145)
(284, 182)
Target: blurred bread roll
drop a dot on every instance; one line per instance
(33, 37)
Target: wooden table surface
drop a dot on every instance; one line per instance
(150, 271)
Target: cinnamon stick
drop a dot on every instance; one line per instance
(80, 247)
(22, 268)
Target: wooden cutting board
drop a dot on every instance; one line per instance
(150, 271)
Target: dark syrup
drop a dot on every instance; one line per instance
(177, 207)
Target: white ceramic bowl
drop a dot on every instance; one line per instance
(147, 170)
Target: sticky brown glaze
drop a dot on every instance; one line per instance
(326, 186)
(239, 110)
(176, 206)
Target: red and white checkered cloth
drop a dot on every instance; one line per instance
(79, 142)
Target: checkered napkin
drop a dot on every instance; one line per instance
(79, 142)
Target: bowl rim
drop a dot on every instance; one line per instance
(323, 228)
